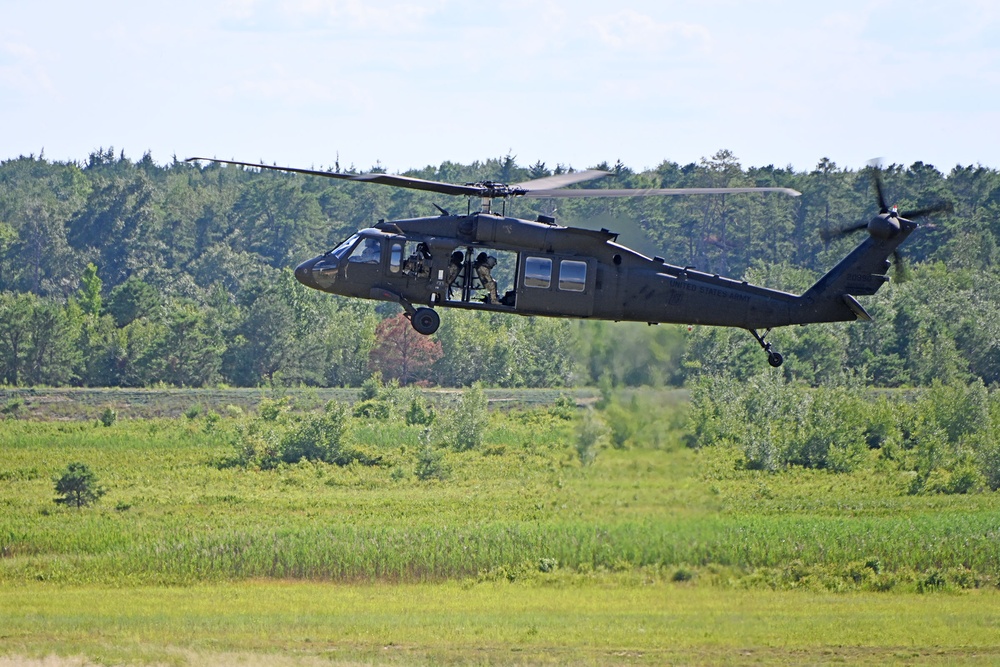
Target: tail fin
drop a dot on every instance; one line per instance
(861, 273)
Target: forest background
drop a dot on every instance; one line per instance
(127, 273)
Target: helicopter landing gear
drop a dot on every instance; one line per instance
(425, 321)
(773, 358)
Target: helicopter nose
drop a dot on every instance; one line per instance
(304, 273)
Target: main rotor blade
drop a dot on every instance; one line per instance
(526, 189)
(382, 179)
(562, 180)
(651, 192)
(940, 207)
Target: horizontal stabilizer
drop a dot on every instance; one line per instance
(857, 308)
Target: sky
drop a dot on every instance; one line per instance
(403, 85)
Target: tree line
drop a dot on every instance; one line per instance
(116, 272)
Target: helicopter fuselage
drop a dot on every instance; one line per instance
(545, 269)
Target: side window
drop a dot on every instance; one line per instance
(572, 275)
(368, 251)
(537, 272)
(395, 257)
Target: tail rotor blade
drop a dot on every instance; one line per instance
(876, 165)
(829, 235)
(941, 207)
(882, 206)
(899, 264)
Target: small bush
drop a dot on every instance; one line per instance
(419, 413)
(320, 437)
(564, 407)
(547, 564)
(470, 419)
(109, 416)
(372, 409)
(78, 486)
(13, 407)
(590, 434)
(431, 464)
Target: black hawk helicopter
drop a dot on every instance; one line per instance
(449, 261)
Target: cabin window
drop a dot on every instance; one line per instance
(572, 275)
(537, 272)
(395, 257)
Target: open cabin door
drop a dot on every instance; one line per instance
(556, 285)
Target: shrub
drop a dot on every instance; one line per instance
(470, 419)
(591, 432)
(109, 416)
(564, 407)
(320, 437)
(13, 407)
(419, 413)
(430, 461)
(372, 409)
(78, 486)
(623, 424)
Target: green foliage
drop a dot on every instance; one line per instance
(132, 299)
(320, 437)
(277, 435)
(195, 284)
(377, 400)
(591, 434)
(943, 437)
(13, 407)
(643, 514)
(372, 387)
(469, 421)
(89, 296)
(564, 407)
(109, 417)
(419, 413)
(78, 486)
(431, 463)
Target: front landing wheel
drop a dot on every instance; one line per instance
(775, 359)
(425, 321)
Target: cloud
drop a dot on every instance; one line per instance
(21, 70)
(338, 16)
(630, 32)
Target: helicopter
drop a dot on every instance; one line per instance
(546, 269)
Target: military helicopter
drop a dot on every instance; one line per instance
(449, 261)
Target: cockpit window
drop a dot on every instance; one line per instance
(369, 251)
(339, 251)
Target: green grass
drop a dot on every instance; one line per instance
(50, 403)
(173, 515)
(655, 553)
(620, 621)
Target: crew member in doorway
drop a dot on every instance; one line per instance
(484, 265)
(454, 268)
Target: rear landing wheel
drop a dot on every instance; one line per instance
(425, 321)
(775, 359)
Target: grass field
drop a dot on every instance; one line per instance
(655, 553)
(618, 621)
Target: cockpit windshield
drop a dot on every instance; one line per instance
(342, 249)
